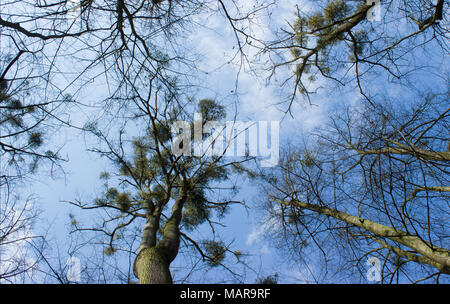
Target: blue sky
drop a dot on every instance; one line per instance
(257, 101)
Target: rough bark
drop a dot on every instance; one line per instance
(152, 262)
(152, 267)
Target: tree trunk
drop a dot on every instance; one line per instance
(436, 257)
(152, 267)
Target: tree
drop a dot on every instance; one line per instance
(272, 279)
(102, 37)
(23, 121)
(374, 182)
(365, 168)
(160, 195)
(21, 247)
(334, 41)
(123, 44)
(134, 51)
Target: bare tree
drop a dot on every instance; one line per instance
(20, 244)
(25, 124)
(373, 183)
(126, 45)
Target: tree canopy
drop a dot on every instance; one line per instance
(368, 180)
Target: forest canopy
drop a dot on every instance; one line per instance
(100, 100)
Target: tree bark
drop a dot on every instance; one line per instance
(436, 257)
(152, 267)
(152, 262)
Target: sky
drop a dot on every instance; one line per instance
(257, 101)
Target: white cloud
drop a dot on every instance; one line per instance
(264, 249)
(256, 238)
(255, 235)
(260, 230)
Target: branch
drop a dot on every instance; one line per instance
(440, 256)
